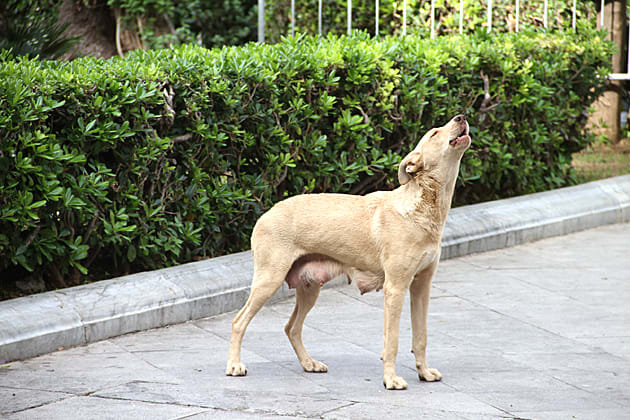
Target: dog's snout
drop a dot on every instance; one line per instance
(460, 118)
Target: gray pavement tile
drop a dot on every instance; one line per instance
(547, 400)
(464, 359)
(18, 399)
(79, 371)
(266, 376)
(366, 410)
(272, 402)
(577, 414)
(519, 257)
(609, 300)
(516, 380)
(617, 346)
(601, 374)
(103, 409)
(508, 335)
(172, 338)
(218, 414)
(199, 392)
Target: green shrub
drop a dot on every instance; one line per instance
(115, 166)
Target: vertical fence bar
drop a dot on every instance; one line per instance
(546, 12)
(432, 19)
(461, 17)
(518, 11)
(405, 18)
(601, 24)
(376, 21)
(319, 17)
(292, 18)
(489, 15)
(349, 17)
(261, 21)
(573, 14)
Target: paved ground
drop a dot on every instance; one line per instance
(536, 331)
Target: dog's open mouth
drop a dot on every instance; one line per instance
(463, 137)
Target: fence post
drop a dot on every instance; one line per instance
(489, 15)
(349, 17)
(404, 31)
(517, 14)
(432, 19)
(376, 21)
(546, 12)
(261, 21)
(461, 17)
(319, 17)
(292, 18)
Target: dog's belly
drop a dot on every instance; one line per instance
(326, 235)
(320, 269)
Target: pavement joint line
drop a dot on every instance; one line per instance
(179, 404)
(476, 397)
(37, 389)
(35, 325)
(350, 404)
(70, 396)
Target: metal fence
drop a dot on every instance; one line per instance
(261, 21)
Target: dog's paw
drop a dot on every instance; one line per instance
(314, 366)
(236, 369)
(394, 382)
(429, 375)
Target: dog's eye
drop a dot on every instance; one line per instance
(434, 134)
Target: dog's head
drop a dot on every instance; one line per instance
(438, 152)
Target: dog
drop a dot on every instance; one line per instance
(388, 240)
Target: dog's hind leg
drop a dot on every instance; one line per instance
(266, 282)
(306, 295)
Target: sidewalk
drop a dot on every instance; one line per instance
(540, 331)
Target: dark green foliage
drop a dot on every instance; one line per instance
(121, 165)
(29, 28)
(39, 39)
(206, 22)
(216, 23)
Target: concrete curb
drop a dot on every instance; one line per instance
(39, 324)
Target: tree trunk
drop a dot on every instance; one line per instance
(95, 25)
(605, 119)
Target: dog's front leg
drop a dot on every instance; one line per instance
(394, 298)
(419, 291)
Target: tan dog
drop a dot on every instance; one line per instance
(386, 239)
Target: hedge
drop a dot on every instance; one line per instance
(115, 166)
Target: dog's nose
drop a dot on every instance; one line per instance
(460, 118)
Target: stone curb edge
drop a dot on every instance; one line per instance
(43, 323)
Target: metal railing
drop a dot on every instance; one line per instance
(261, 22)
(261, 17)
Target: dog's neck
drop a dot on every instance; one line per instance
(429, 196)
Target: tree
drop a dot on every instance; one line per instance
(605, 120)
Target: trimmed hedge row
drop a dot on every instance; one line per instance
(115, 166)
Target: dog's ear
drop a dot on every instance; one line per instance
(410, 165)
